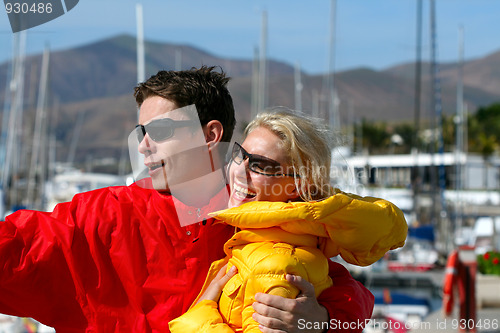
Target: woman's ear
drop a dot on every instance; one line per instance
(294, 194)
(213, 131)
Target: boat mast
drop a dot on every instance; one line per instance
(329, 93)
(333, 100)
(141, 67)
(298, 87)
(254, 105)
(141, 60)
(459, 133)
(438, 214)
(262, 95)
(418, 98)
(38, 137)
(14, 131)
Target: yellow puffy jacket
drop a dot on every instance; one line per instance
(278, 238)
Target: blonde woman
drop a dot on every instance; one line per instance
(289, 222)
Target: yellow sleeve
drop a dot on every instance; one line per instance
(268, 276)
(269, 284)
(204, 317)
(362, 229)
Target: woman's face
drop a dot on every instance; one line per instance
(247, 185)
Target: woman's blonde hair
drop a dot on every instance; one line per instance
(309, 144)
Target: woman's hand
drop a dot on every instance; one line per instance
(277, 314)
(214, 289)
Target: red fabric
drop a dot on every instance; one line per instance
(116, 260)
(348, 302)
(111, 260)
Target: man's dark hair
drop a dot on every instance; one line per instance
(204, 87)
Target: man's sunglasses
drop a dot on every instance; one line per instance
(161, 129)
(258, 163)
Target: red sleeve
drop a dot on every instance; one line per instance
(47, 263)
(36, 279)
(348, 302)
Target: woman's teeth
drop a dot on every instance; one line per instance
(245, 191)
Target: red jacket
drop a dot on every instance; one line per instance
(117, 260)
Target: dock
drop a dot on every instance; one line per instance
(430, 283)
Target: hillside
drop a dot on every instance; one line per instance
(98, 80)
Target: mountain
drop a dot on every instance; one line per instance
(478, 74)
(98, 80)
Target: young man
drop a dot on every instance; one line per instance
(118, 260)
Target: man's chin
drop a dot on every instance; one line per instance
(160, 185)
(163, 191)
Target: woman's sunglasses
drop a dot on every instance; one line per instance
(161, 129)
(258, 163)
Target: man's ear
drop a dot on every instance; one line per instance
(213, 131)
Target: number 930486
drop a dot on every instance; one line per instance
(28, 8)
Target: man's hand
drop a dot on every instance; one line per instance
(277, 314)
(214, 289)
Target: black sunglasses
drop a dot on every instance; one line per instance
(258, 163)
(161, 129)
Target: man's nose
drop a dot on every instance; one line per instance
(145, 146)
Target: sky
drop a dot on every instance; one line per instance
(368, 33)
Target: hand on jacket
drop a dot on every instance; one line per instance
(215, 288)
(278, 314)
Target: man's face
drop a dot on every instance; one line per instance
(178, 157)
